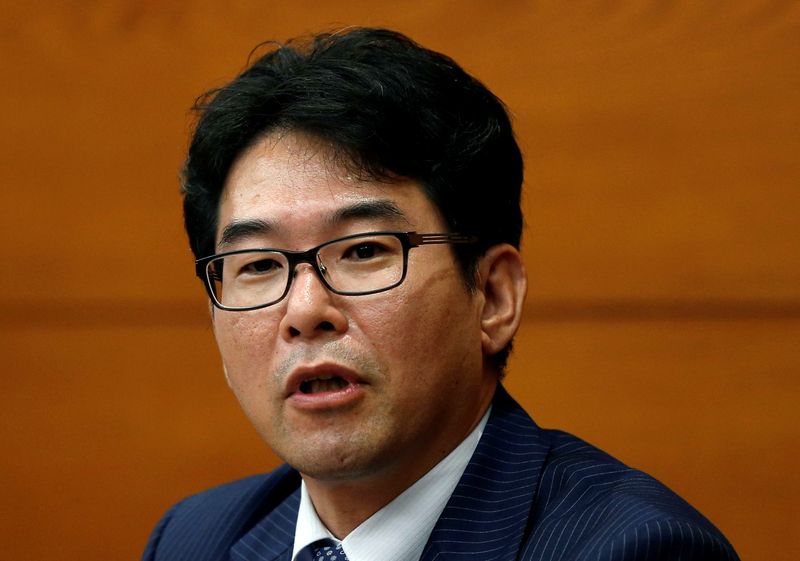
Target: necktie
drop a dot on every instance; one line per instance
(325, 551)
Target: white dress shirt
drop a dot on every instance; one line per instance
(400, 530)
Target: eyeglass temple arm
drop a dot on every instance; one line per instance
(425, 239)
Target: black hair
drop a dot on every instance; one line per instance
(390, 109)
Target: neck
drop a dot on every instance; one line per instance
(344, 506)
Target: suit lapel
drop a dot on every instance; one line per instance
(486, 516)
(271, 539)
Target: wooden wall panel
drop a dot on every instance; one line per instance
(662, 201)
(104, 427)
(707, 406)
(661, 147)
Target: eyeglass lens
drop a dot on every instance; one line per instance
(363, 264)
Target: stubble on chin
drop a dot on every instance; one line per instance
(340, 446)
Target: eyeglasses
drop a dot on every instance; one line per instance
(249, 279)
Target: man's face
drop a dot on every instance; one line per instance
(406, 366)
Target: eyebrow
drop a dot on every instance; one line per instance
(241, 229)
(372, 209)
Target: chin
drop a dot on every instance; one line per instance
(337, 462)
(341, 471)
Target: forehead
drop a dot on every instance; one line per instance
(294, 184)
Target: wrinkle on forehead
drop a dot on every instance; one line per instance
(284, 159)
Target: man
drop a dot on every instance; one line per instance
(353, 204)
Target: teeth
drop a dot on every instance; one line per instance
(323, 384)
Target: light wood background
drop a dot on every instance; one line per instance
(663, 207)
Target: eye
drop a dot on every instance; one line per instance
(363, 251)
(262, 266)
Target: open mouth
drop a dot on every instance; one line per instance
(323, 384)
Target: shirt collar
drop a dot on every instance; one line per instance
(400, 530)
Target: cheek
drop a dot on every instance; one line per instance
(386, 320)
(245, 340)
(423, 328)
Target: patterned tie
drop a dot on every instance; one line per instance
(325, 551)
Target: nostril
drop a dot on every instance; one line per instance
(322, 326)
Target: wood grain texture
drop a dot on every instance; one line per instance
(662, 200)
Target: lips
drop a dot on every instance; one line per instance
(323, 386)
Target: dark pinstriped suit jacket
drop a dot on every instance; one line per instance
(527, 494)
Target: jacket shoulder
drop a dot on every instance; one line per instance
(206, 525)
(594, 506)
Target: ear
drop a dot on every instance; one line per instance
(503, 282)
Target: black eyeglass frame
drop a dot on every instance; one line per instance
(408, 240)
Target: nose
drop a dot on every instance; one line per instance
(311, 309)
